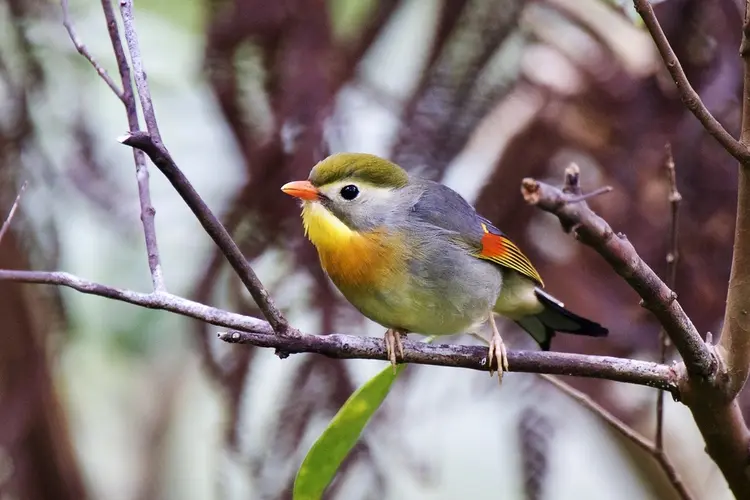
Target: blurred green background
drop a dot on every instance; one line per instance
(100, 399)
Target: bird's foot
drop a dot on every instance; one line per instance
(497, 352)
(392, 340)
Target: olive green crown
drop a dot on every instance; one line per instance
(364, 167)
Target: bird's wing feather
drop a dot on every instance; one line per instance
(442, 207)
(500, 249)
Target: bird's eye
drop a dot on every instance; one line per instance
(349, 192)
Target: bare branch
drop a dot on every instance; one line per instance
(688, 95)
(259, 333)
(622, 256)
(627, 432)
(164, 162)
(715, 409)
(673, 256)
(84, 51)
(12, 212)
(734, 344)
(587, 196)
(148, 213)
(473, 357)
(131, 37)
(162, 301)
(702, 385)
(153, 146)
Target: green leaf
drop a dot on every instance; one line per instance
(329, 451)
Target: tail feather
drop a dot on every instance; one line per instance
(555, 318)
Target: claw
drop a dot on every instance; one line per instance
(393, 343)
(497, 351)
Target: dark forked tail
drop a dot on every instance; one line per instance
(555, 318)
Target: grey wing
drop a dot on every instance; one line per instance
(443, 208)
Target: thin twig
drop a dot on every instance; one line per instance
(84, 51)
(587, 196)
(161, 301)
(148, 213)
(594, 231)
(259, 333)
(627, 432)
(673, 256)
(12, 212)
(688, 95)
(164, 162)
(153, 146)
(141, 81)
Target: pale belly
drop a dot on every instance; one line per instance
(429, 302)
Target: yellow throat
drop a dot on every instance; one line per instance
(352, 259)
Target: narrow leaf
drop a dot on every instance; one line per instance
(329, 451)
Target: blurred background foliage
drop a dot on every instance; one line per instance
(104, 400)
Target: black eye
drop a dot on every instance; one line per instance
(349, 192)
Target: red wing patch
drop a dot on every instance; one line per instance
(501, 250)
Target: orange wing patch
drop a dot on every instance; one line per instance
(501, 250)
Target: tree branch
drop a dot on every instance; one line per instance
(734, 344)
(713, 401)
(622, 256)
(688, 95)
(718, 417)
(84, 51)
(161, 301)
(148, 213)
(720, 420)
(259, 333)
(131, 37)
(164, 162)
(673, 255)
(12, 211)
(153, 146)
(473, 357)
(627, 432)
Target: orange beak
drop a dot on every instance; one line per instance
(303, 190)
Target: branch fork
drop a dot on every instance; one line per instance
(708, 380)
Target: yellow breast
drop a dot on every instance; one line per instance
(354, 260)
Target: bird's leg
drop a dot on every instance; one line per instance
(392, 340)
(497, 351)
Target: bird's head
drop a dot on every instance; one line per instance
(348, 192)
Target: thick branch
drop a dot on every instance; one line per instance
(713, 402)
(719, 420)
(734, 344)
(688, 95)
(148, 213)
(622, 256)
(162, 159)
(259, 333)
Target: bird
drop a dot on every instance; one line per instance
(414, 256)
